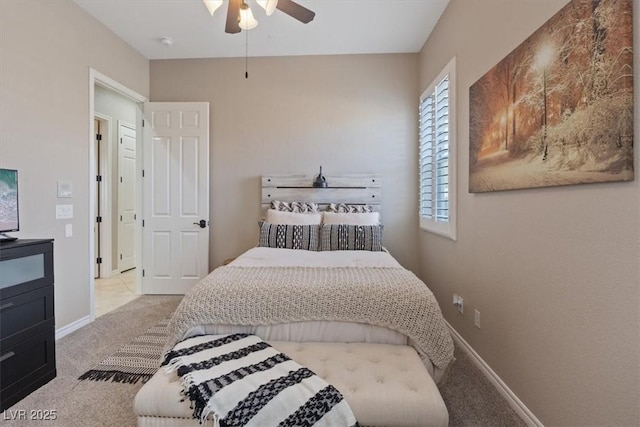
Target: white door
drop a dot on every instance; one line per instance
(127, 217)
(176, 196)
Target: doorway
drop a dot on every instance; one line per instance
(116, 115)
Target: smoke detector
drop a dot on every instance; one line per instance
(166, 41)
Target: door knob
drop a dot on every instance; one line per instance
(202, 223)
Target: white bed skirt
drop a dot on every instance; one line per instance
(313, 331)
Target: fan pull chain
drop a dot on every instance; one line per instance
(246, 55)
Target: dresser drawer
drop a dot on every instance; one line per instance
(26, 366)
(25, 315)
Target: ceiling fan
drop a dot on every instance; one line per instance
(240, 17)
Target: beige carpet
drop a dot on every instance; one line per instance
(470, 398)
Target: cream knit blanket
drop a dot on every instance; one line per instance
(391, 297)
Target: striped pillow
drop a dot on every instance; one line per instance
(289, 236)
(346, 208)
(343, 237)
(299, 207)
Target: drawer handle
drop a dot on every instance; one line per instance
(7, 305)
(7, 356)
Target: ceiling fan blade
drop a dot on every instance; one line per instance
(294, 10)
(233, 10)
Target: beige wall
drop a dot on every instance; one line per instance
(350, 114)
(46, 50)
(553, 271)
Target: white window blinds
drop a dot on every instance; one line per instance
(434, 153)
(437, 194)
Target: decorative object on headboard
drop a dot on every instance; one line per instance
(353, 189)
(320, 181)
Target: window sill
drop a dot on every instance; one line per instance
(446, 230)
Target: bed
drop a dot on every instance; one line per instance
(295, 295)
(333, 288)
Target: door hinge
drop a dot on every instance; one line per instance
(142, 273)
(99, 219)
(98, 260)
(135, 216)
(99, 178)
(120, 217)
(99, 137)
(142, 122)
(120, 257)
(143, 222)
(120, 140)
(143, 173)
(120, 179)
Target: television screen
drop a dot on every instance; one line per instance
(8, 200)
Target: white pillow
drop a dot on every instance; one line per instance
(365, 218)
(293, 218)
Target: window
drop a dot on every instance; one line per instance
(437, 155)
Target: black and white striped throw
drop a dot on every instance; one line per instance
(243, 381)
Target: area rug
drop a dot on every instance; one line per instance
(133, 362)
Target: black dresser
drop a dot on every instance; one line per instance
(27, 323)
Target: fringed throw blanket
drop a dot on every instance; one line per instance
(243, 381)
(391, 297)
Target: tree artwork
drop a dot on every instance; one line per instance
(558, 110)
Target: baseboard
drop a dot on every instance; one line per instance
(511, 398)
(73, 326)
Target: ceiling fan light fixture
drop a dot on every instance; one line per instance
(212, 5)
(268, 5)
(247, 21)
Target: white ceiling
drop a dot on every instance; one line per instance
(339, 27)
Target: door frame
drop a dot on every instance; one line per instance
(105, 199)
(97, 78)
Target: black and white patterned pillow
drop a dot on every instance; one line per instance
(289, 236)
(298, 207)
(345, 208)
(343, 237)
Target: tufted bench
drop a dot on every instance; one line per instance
(385, 385)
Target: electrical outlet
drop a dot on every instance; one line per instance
(458, 302)
(476, 319)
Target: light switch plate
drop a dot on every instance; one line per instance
(64, 211)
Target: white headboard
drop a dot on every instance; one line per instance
(353, 189)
